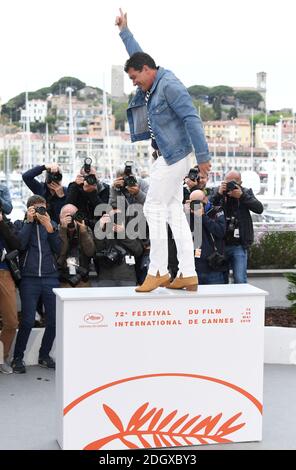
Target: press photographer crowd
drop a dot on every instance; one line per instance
(90, 234)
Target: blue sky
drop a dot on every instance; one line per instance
(211, 42)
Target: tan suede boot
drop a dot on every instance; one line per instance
(186, 283)
(152, 282)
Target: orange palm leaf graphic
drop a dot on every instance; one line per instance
(166, 431)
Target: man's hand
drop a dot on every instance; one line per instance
(82, 226)
(89, 188)
(57, 188)
(46, 222)
(118, 182)
(118, 228)
(133, 190)
(52, 167)
(31, 214)
(79, 180)
(205, 167)
(121, 20)
(1, 216)
(67, 219)
(105, 219)
(236, 193)
(222, 188)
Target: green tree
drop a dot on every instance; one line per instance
(206, 112)
(13, 159)
(217, 107)
(232, 113)
(196, 91)
(119, 111)
(51, 121)
(251, 99)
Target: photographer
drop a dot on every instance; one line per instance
(77, 249)
(210, 262)
(87, 192)
(116, 252)
(5, 200)
(52, 190)
(126, 184)
(40, 244)
(196, 180)
(237, 202)
(8, 307)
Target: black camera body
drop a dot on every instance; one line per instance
(130, 180)
(193, 174)
(78, 216)
(114, 255)
(90, 179)
(40, 210)
(55, 177)
(13, 264)
(231, 185)
(81, 275)
(195, 205)
(216, 260)
(232, 224)
(128, 177)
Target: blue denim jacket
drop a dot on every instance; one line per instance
(174, 119)
(5, 199)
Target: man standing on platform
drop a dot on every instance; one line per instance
(162, 110)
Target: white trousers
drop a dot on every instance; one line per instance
(164, 204)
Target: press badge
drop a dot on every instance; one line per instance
(130, 260)
(236, 233)
(71, 265)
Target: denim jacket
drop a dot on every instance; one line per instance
(173, 117)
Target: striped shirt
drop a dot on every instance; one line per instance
(153, 141)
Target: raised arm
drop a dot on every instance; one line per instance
(128, 39)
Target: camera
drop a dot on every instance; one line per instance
(13, 264)
(193, 174)
(90, 179)
(216, 260)
(195, 205)
(87, 165)
(114, 255)
(231, 185)
(82, 275)
(40, 210)
(53, 177)
(78, 216)
(232, 224)
(129, 179)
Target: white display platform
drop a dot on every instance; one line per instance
(160, 369)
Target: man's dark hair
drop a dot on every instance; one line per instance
(36, 199)
(138, 60)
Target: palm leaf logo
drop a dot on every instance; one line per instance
(154, 428)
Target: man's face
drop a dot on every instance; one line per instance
(203, 179)
(143, 79)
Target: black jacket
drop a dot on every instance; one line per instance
(54, 203)
(240, 209)
(123, 271)
(87, 202)
(8, 239)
